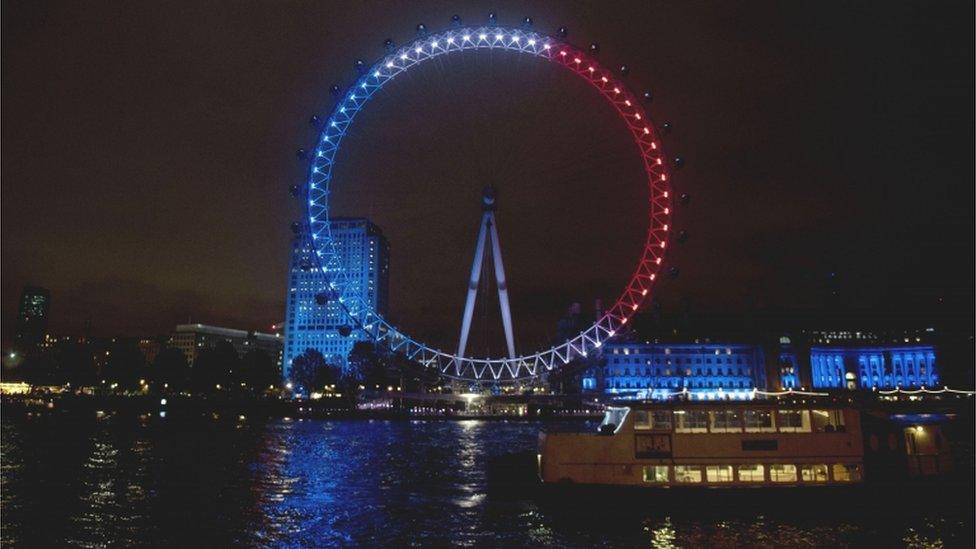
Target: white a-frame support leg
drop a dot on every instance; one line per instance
(487, 232)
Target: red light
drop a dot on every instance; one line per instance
(624, 320)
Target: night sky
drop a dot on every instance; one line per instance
(148, 148)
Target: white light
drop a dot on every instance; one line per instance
(482, 36)
(466, 37)
(547, 46)
(498, 37)
(433, 44)
(162, 402)
(389, 64)
(450, 40)
(418, 50)
(531, 42)
(515, 39)
(376, 74)
(403, 56)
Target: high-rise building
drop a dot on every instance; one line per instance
(327, 328)
(32, 314)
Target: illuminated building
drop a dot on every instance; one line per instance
(884, 367)
(659, 371)
(32, 315)
(326, 327)
(193, 338)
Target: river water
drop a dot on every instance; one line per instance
(218, 482)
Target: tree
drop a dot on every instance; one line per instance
(170, 370)
(258, 371)
(77, 364)
(125, 364)
(214, 367)
(311, 372)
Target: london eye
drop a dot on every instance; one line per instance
(608, 83)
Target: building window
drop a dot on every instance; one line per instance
(759, 421)
(782, 472)
(847, 472)
(642, 420)
(687, 473)
(752, 473)
(655, 474)
(813, 473)
(721, 473)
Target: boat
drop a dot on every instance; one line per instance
(686, 445)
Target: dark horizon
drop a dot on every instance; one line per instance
(148, 153)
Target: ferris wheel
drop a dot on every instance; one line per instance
(398, 60)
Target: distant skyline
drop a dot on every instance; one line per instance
(148, 149)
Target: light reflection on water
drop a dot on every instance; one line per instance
(324, 483)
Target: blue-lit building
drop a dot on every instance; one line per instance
(704, 371)
(32, 315)
(882, 367)
(366, 256)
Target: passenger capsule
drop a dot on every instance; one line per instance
(527, 22)
(360, 66)
(314, 121)
(682, 236)
(389, 45)
(456, 20)
(336, 91)
(673, 272)
(421, 30)
(648, 96)
(679, 162)
(296, 227)
(666, 127)
(492, 19)
(624, 70)
(295, 190)
(301, 154)
(684, 199)
(594, 48)
(563, 32)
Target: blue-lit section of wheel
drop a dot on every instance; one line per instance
(487, 38)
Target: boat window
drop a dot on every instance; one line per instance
(687, 473)
(793, 421)
(759, 421)
(847, 472)
(655, 473)
(726, 421)
(827, 421)
(752, 473)
(690, 421)
(612, 420)
(720, 473)
(642, 420)
(813, 473)
(781, 472)
(661, 419)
